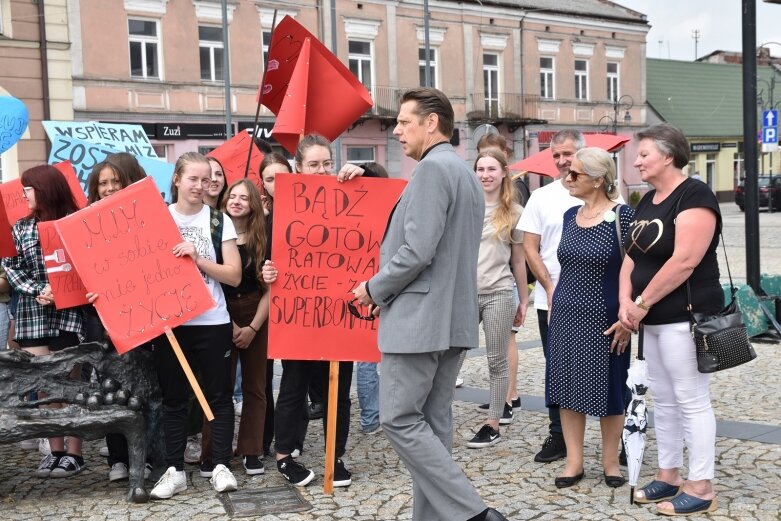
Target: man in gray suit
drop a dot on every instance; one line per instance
(426, 289)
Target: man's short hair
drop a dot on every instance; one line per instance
(576, 136)
(432, 101)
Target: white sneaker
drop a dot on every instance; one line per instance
(31, 444)
(459, 381)
(296, 453)
(118, 472)
(237, 408)
(223, 479)
(192, 453)
(103, 451)
(172, 482)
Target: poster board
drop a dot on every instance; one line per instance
(64, 280)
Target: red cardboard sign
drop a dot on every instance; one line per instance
(317, 87)
(121, 247)
(67, 287)
(14, 205)
(327, 239)
(232, 155)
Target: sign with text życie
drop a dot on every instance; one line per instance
(121, 247)
(326, 240)
(67, 287)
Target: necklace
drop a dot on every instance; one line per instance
(589, 217)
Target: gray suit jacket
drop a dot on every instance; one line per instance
(427, 282)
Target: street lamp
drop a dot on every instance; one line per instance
(624, 103)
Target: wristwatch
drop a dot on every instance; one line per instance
(642, 305)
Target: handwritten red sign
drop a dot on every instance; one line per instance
(67, 287)
(232, 155)
(308, 88)
(327, 239)
(7, 246)
(121, 247)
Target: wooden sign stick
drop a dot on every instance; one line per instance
(330, 434)
(189, 373)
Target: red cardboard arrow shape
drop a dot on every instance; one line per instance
(291, 119)
(334, 97)
(232, 155)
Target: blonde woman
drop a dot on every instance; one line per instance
(588, 357)
(500, 245)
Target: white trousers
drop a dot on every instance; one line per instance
(682, 406)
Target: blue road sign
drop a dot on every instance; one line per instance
(770, 118)
(769, 135)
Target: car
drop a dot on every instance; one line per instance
(769, 192)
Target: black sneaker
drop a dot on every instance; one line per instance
(517, 403)
(207, 468)
(294, 472)
(342, 476)
(484, 406)
(69, 465)
(316, 411)
(47, 464)
(253, 466)
(507, 415)
(553, 448)
(485, 437)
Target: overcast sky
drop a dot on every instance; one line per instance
(719, 22)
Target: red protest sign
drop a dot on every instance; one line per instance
(331, 99)
(73, 182)
(232, 155)
(121, 247)
(327, 239)
(7, 246)
(67, 287)
(16, 205)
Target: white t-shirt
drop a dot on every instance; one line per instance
(195, 229)
(544, 216)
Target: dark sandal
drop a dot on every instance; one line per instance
(685, 504)
(657, 491)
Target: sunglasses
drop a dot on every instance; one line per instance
(574, 175)
(357, 314)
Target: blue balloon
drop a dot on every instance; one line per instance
(13, 121)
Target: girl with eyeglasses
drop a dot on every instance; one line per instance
(40, 328)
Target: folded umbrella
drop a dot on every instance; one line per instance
(636, 419)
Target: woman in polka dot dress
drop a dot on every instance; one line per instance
(588, 360)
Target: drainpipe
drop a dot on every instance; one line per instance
(44, 67)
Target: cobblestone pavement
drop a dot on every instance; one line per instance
(748, 472)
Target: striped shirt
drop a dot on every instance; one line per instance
(27, 276)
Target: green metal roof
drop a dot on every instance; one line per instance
(703, 99)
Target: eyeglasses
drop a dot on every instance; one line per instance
(357, 314)
(25, 189)
(314, 166)
(574, 175)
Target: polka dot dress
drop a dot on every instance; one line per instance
(582, 374)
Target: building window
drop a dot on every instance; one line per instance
(546, 78)
(710, 170)
(738, 166)
(432, 61)
(612, 81)
(360, 61)
(144, 48)
(210, 47)
(491, 83)
(581, 79)
(360, 155)
(266, 44)
(204, 150)
(161, 151)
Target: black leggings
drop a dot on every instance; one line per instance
(207, 349)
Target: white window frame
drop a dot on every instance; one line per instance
(492, 95)
(581, 81)
(613, 81)
(213, 46)
(548, 78)
(432, 63)
(360, 161)
(360, 58)
(143, 40)
(264, 45)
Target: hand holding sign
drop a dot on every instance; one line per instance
(13, 121)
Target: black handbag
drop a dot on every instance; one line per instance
(721, 340)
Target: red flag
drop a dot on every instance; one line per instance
(331, 97)
(232, 155)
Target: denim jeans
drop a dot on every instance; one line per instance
(368, 394)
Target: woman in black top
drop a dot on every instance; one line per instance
(673, 239)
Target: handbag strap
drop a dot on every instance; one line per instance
(732, 287)
(618, 231)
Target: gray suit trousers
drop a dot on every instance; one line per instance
(416, 414)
